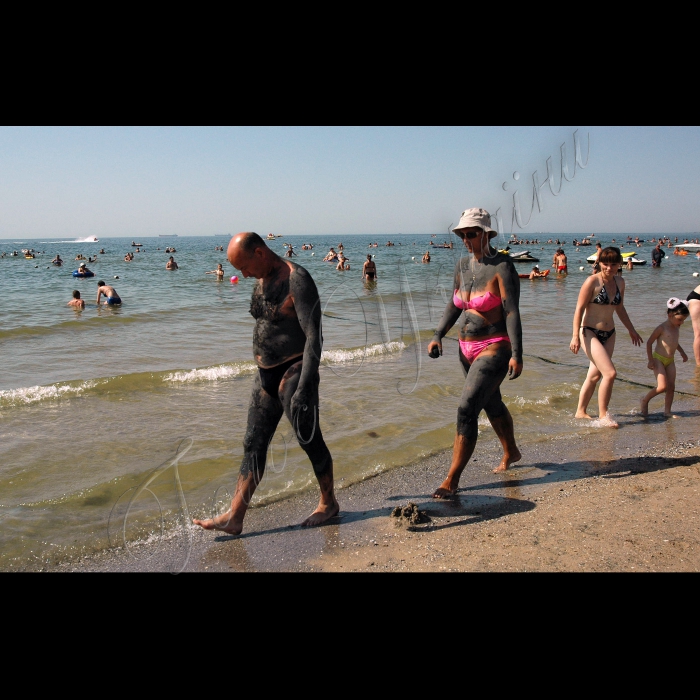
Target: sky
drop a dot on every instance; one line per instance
(59, 182)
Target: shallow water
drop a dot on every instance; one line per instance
(92, 402)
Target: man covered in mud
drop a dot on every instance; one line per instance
(287, 348)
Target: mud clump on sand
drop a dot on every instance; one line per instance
(409, 516)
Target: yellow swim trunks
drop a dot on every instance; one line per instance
(665, 361)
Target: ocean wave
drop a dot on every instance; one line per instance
(351, 354)
(211, 374)
(545, 400)
(33, 394)
(145, 381)
(88, 325)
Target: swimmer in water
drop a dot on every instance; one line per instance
(110, 293)
(369, 269)
(76, 301)
(219, 272)
(171, 264)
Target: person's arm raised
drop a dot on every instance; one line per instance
(509, 284)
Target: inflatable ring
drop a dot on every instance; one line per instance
(77, 273)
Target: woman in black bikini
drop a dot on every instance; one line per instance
(369, 269)
(601, 295)
(694, 306)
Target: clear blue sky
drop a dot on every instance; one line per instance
(145, 181)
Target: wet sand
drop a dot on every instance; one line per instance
(619, 500)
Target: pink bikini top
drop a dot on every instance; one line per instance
(486, 302)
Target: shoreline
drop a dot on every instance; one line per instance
(626, 503)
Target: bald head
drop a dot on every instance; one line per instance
(247, 243)
(249, 253)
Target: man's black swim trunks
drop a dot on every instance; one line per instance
(271, 378)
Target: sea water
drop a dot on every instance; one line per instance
(95, 404)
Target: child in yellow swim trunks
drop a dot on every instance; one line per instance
(661, 358)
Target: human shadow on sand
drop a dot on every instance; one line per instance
(479, 507)
(556, 473)
(475, 507)
(335, 520)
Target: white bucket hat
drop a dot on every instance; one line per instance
(476, 217)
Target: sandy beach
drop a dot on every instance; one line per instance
(625, 503)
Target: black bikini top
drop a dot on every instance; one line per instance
(602, 297)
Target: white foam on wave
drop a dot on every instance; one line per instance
(33, 394)
(342, 355)
(211, 374)
(607, 421)
(543, 400)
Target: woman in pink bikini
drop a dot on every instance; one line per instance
(487, 291)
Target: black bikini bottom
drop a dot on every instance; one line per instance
(693, 295)
(601, 335)
(271, 378)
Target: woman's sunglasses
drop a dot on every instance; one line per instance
(470, 234)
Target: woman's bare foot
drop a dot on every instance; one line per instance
(670, 415)
(224, 522)
(323, 512)
(583, 414)
(507, 460)
(607, 421)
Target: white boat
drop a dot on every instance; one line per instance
(688, 246)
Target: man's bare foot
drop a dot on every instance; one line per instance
(644, 408)
(513, 457)
(322, 513)
(224, 522)
(446, 491)
(583, 414)
(670, 415)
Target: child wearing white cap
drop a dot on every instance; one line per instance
(661, 358)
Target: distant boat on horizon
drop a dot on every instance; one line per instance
(167, 235)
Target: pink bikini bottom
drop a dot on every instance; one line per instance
(472, 348)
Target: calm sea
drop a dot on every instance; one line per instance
(93, 401)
